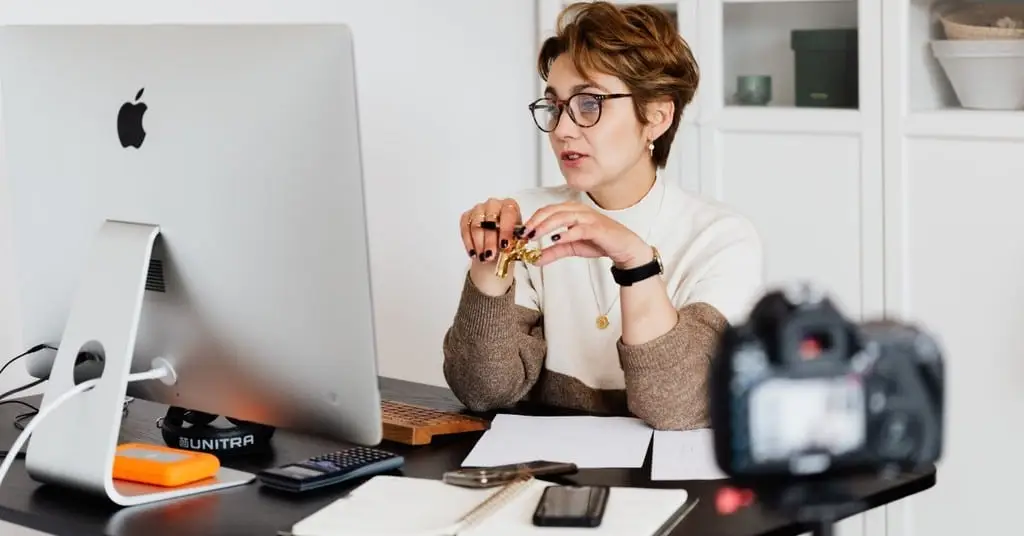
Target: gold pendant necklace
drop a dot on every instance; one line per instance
(602, 321)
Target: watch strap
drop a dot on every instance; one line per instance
(631, 276)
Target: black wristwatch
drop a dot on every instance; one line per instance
(632, 276)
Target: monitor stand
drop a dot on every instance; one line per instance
(74, 445)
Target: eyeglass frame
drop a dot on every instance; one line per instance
(563, 107)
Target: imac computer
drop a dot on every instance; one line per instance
(189, 195)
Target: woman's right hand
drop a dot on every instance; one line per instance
(487, 228)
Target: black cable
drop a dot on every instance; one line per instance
(20, 403)
(18, 420)
(30, 351)
(17, 390)
(22, 419)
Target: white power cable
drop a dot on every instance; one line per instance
(161, 369)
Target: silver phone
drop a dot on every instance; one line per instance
(499, 475)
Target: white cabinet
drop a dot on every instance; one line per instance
(796, 188)
(809, 178)
(953, 261)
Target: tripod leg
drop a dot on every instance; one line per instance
(823, 528)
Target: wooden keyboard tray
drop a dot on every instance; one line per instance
(416, 425)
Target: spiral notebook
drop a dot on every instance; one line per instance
(388, 505)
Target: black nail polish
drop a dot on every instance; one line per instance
(489, 225)
(481, 257)
(488, 254)
(555, 237)
(531, 235)
(504, 243)
(472, 253)
(518, 231)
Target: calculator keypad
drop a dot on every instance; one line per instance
(336, 467)
(350, 458)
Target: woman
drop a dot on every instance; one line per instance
(637, 279)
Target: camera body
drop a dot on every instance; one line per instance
(800, 392)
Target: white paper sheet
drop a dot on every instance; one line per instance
(587, 441)
(688, 455)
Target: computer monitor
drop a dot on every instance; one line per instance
(193, 192)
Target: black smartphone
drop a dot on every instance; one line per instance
(571, 506)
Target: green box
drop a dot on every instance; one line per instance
(826, 68)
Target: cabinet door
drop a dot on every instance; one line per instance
(809, 178)
(801, 193)
(955, 263)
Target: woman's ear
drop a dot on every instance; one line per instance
(659, 117)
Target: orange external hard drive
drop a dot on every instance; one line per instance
(162, 466)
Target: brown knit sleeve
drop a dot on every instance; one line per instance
(494, 351)
(666, 378)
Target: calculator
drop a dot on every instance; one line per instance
(330, 469)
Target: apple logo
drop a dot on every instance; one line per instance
(129, 122)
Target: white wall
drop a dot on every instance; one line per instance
(443, 88)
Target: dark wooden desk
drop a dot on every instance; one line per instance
(253, 511)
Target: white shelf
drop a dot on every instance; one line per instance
(928, 85)
(957, 123)
(781, 1)
(929, 89)
(778, 119)
(664, 4)
(756, 39)
(920, 88)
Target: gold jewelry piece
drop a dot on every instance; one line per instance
(602, 321)
(516, 251)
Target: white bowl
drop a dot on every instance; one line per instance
(985, 74)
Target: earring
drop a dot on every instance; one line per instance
(650, 148)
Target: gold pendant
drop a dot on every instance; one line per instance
(602, 322)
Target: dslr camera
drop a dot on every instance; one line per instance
(800, 392)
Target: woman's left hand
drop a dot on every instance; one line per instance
(589, 234)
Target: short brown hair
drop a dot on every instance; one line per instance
(639, 44)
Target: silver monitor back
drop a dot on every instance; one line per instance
(250, 165)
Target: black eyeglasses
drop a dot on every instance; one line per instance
(584, 109)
